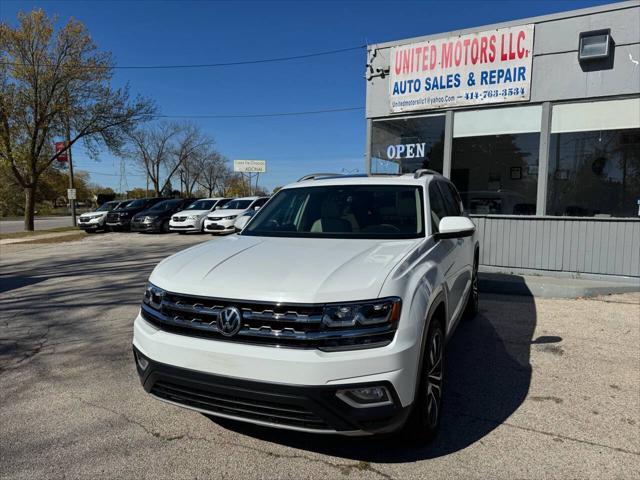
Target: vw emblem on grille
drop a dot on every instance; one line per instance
(229, 321)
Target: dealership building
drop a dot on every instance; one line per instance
(537, 123)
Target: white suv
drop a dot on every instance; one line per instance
(223, 220)
(191, 219)
(95, 220)
(328, 313)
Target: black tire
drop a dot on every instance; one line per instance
(472, 307)
(181, 233)
(424, 420)
(164, 228)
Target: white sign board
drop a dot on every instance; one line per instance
(474, 69)
(250, 166)
(71, 193)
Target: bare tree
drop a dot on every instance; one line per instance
(164, 149)
(51, 85)
(214, 173)
(151, 149)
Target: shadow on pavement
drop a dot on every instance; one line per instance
(487, 378)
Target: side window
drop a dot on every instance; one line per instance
(260, 202)
(452, 204)
(438, 209)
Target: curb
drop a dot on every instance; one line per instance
(550, 287)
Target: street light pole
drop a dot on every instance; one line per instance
(68, 139)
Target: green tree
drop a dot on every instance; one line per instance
(52, 83)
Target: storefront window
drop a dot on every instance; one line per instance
(405, 145)
(497, 174)
(594, 159)
(494, 161)
(594, 173)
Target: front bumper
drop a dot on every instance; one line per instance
(122, 223)
(314, 409)
(91, 224)
(145, 227)
(219, 226)
(187, 226)
(200, 366)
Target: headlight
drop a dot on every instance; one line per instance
(124, 214)
(231, 217)
(153, 296)
(375, 312)
(193, 217)
(149, 219)
(95, 216)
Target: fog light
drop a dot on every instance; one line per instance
(365, 397)
(143, 363)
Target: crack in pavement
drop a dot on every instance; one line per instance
(40, 343)
(550, 434)
(343, 468)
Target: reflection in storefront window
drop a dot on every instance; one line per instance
(594, 173)
(497, 174)
(407, 144)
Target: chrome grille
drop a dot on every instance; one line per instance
(294, 326)
(179, 219)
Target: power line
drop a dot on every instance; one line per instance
(204, 65)
(261, 115)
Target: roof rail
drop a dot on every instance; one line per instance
(425, 171)
(313, 176)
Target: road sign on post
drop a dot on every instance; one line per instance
(250, 167)
(71, 193)
(63, 157)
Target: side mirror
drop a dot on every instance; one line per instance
(455, 227)
(256, 208)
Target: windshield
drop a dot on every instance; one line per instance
(202, 205)
(237, 205)
(107, 207)
(136, 204)
(342, 211)
(165, 206)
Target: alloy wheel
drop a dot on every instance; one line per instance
(434, 378)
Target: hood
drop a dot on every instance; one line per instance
(226, 213)
(300, 270)
(91, 214)
(186, 213)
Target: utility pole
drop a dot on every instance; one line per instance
(68, 139)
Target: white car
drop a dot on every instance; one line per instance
(328, 313)
(94, 221)
(243, 219)
(191, 219)
(223, 220)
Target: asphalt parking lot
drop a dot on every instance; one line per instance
(535, 388)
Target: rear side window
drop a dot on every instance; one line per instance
(437, 204)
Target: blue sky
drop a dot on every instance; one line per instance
(169, 32)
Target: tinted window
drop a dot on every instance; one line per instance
(166, 205)
(452, 206)
(107, 207)
(260, 202)
(237, 204)
(137, 203)
(202, 205)
(438, 207)
(342, 211)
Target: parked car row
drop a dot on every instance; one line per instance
(214, 215)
